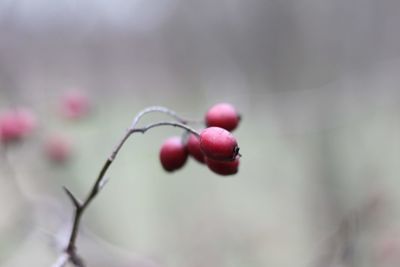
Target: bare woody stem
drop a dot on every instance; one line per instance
(160, 109)
(145, 111)
(70, 254)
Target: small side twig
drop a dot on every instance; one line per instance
(77, 203)
(70, 254)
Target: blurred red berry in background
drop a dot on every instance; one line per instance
(58, 148)
(74, 104)
(16, 124)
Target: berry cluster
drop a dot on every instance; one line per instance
(214, 146)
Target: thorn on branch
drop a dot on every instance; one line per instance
(77, 203)
(69, 254)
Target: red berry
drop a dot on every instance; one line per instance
(222, 115)
(223, 167)
(16, 124)
(58, 148)
(74, 105)
(218, 144)
(173, 154)
(193, 146)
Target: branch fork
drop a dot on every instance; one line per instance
(70, 254)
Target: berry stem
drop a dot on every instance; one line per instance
(69, 254)
(164, 110)
(145, 111)
(164, 123)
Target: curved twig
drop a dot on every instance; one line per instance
(137, 118)
(70, 254)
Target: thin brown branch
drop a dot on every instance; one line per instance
(164, 123)
(69, 254)
(164, 110)
(145, 111)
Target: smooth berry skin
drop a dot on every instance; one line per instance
(223, 167)
(58, 149)
(173, 154)
(222, 115)
(193, 147)
(218, 144)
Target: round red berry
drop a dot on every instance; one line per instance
(222, 115)
(218, 144)
(193, 146)
(223, 167)
(173, 154)
(58, 148)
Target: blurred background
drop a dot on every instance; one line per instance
(317, 84)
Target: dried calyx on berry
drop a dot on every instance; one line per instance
(218, 144)
(214, 146)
